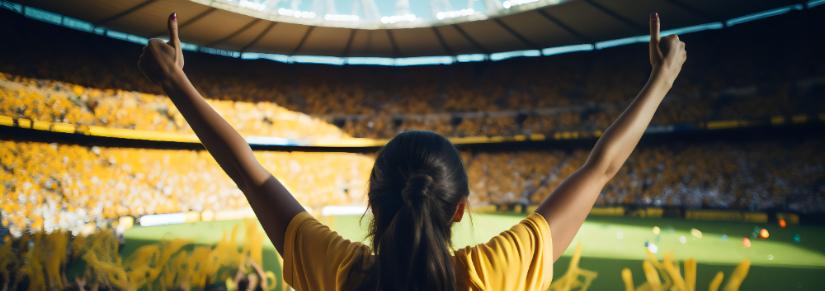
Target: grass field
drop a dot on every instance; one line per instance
(609, 244)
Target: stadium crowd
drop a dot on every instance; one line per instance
(64, 187)
(754, 176)
(59, 186)
(54, 101)
(572, 92)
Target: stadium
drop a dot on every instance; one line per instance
(109, 184)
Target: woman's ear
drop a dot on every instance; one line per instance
(459, 210)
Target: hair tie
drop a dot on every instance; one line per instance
(417, 188)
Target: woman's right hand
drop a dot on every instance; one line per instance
(159, 60)
(666, 55)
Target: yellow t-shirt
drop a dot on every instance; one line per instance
(521, 258)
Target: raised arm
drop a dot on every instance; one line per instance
(567, 207)
(272, 203)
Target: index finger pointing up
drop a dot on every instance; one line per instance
(654, 27)
(654, 37)
(174, 40)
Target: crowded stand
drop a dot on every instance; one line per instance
(580, 91)
(752, 176)
(53, 101)
(57, 186)
(60, 186)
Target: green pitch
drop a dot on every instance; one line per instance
(609, 244)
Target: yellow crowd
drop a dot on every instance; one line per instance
(61, 186)
(753, 176)
(64, 187)
(332, 112)
(78, 105)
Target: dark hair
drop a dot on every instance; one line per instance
(415, 186)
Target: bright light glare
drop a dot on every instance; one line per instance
(455, 13)
(399, 18)
(342, 17)
(510, 3)
(252, 5)
(296, 13)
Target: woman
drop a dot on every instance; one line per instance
(418, 188)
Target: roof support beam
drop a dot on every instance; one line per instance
(564, 26)
(347, 48)
(303, 40)
(123, 13)
(258, 37)
(633, 25)
(515, 34)
(441, 41)
(231, 35)
(470, 39)
(396, 51)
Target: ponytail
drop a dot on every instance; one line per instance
(411, 231)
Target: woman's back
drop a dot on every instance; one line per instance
(520, 258)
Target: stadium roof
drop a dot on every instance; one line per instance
(526, 27)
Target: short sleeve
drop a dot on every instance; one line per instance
(315, 257)
(520, 258)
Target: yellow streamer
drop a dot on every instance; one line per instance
(716, 282)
